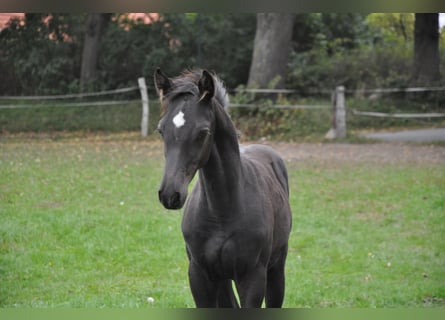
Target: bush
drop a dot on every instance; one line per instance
(281, 124)
(363, 68)
(265, 121)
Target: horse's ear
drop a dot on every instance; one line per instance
(162, 83)
(206, 86)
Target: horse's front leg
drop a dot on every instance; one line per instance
(204, 291)
(252, 288)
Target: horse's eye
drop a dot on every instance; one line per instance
(204, 133)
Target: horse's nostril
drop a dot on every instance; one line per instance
(170, 201)
(175, 200)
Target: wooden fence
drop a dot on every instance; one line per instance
(338, 104)
(142, 87)
(338, 129)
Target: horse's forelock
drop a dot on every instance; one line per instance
(187, 83)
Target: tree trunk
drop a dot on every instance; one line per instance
(426, 49)
(271, 50)
(95, 27)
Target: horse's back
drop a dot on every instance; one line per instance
(267, 156)
(268, 174)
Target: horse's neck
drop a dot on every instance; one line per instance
(220, 177)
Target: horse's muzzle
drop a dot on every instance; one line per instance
(171, 201)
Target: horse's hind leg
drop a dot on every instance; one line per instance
(276, 282)
(225, 297)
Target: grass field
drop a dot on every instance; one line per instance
(81, 226)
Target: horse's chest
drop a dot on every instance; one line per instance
(223, 254)
(215, 251)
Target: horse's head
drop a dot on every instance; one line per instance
(187, 128)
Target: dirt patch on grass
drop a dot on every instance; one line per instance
(371, 216)
(378, 153)
(384, 153)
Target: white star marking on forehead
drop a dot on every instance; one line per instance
(179, 120)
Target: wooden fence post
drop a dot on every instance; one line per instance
(338, 130)
(145, 110)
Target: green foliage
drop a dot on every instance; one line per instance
(172, 44)
(376, 51)
(41, 54)
(368, 67)
(330, 32)
(262, 120)
(395, 28)
(226, 44)
(356, 51)
(267, 122)
(343, 31)
(281, 124)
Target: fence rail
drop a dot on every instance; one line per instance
(265, 90)
(395, 90)
(398, 115)
(69, 104)
(278, 106)
(142, 87)
(338, 106)
(251, 90)
(70, 96)
(338, 129)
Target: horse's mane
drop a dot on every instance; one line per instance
(187, 82)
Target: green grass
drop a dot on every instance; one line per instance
(368, 237)
(56, 117)
(81, 226)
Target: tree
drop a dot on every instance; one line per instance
(271, 49)
(426, 48)
(95, 28)
(392, 28)
(343, 30)
(39, 53)
(170, 42)
(43, 53)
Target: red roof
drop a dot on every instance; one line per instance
(5, 17)
(142, 17)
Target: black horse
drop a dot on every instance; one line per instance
(237, 220)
